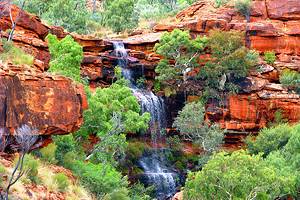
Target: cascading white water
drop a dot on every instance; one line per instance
(154, 163)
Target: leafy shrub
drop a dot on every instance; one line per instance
(270, 57)
(278, 118)
(14, 54)
(66, 56)
(243, 6)
(239, 176)
(62, 182)
(190, 122)
(2, 173)
(31, 166)
(290, 79)
(100, 179)
(118, 194)
(64, 144)
(269, 139)
(220, 3)
(48, 153)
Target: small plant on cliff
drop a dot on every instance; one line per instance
(229, 64)
(14, 54)
(270, 57)
(66, 56)
(180, 55)
(290, 79)
(191, 124)
(244, 7)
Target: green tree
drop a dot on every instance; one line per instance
(180, 55)
(72, 14)
(112, 113)
(239, 176)
(119, 15)
(190, 122)
(229, 64)
(66, 56)
(270, 57)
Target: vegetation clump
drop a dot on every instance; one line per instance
(270, 57)
(290, 79)
(15, 55)
(66, 56)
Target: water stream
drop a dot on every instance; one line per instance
(154, 163)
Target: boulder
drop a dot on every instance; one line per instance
(52, 104)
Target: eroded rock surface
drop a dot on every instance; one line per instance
(52, 104)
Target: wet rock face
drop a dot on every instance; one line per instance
(49, 103)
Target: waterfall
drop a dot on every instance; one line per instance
(154, 163)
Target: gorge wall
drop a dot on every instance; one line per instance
(274, 25)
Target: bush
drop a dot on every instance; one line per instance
(290, 79)
(2, 173)
(48, 153)
(100, 179)
(64, 144)
(243, 6)
(14, 54)
(270, 57)
(66, 56)
(269, 139)
(219, 3)
(31, 166)
(239, 176)
(118, 194)
(62, 182)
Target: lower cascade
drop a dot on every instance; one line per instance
(154, 163)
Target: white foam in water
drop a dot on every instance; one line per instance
(154, 164)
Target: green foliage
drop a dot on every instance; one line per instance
(239, 176)
(269, 139)
(290, 79)
(190, 122)
(2, 173)
(48, 153)
(62, 182)
(14, 54)
(219, 3)
(119, 194)
(31, 166)
(174, 143)
(139, 192)
(135, 150)
(278, 118)
(119, 15)
(112, 113)
(72, 14)
(243, 7)
(230, 63)
(270, 57)
(64, 144)
(100, 179)
(141, 82)
(180, 54)
(66, 56)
